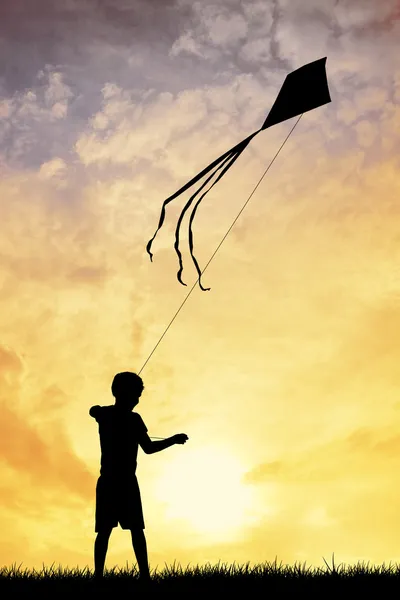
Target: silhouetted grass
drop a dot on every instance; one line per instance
(266, 579)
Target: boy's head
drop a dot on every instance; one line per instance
(127, 388)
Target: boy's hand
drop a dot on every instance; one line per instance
(180, 438)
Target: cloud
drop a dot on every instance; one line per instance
(219, 26)
(368, 354)
(11, 366)
(140, 130)
(362, 14)
(135, 130)
(72, 33)
(325, 488)
(216, 30)
(54, 171)
(88, 275)
(23, 450)
(371, 453)
(30, 129)
(256, 51)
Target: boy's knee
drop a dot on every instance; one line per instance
(137, 531)
(104, 533)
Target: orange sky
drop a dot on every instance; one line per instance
(285, 375)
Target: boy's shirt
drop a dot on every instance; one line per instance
(119, 438)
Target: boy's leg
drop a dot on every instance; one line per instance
(100, 551)
(140, 549)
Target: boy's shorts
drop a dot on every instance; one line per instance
(118, 501)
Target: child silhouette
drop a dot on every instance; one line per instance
(117, 491)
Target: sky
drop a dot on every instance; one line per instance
(285, 375)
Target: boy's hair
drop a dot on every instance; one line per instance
(124, 382)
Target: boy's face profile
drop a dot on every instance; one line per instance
(129, 398)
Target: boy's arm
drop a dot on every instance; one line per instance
(150, 447)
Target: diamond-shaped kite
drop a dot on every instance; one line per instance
(302, 91)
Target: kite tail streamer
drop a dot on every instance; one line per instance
(232, 160)
(188, 185)
(181, 216)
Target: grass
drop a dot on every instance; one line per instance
(214, 581)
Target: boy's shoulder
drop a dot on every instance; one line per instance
(139, 421)
(96, 410)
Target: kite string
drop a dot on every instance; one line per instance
(221, 242)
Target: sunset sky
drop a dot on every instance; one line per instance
(286, 375)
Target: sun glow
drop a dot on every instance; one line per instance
(204, 488)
